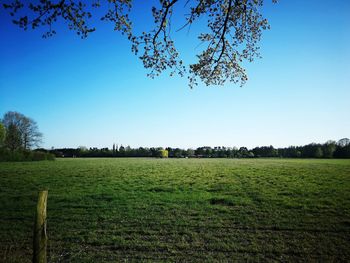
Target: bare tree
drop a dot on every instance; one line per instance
(234, 31)
(21, 131)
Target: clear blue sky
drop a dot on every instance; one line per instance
(94, 92)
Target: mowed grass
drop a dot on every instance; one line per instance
(111, 210)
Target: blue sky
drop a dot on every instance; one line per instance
(94, 92)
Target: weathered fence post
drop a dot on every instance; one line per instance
(40, 237)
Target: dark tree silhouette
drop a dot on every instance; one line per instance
(13, 137)
(2, 134)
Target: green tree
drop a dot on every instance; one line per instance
(329, 149)
(163, 153)
(190, 152)
(113, 149)
(234, 29)
(121, 150)
(318, 152)
(13, 137)
(177, 153)
(2, 134)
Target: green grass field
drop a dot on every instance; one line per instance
(102, 210)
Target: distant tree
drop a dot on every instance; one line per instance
(345, 152)
(312, 150)
(208, 151)
(163, 153)
(265, 151)
(13, 139)
(82, 151)
(250, 155)
(343, 148)
(116, 150)
(344, 142)
(127, 150)
(190, 152)
(143, 152)
(177, 153)
(309, 151)
(243, 152)
(2, 134)
(232, 35)
(318, 152)
(200, 151)
(30, 132)
(121, 151)
(291, 151)
(82, 148)
(329, 148)
(27, 128)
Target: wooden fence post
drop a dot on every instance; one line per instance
(40, 237)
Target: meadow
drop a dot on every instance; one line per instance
(129, 209)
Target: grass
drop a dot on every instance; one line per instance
(103, 210)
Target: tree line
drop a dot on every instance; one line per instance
(19, 135)
(330, 149)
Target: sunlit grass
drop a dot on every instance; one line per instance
(179, 209)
